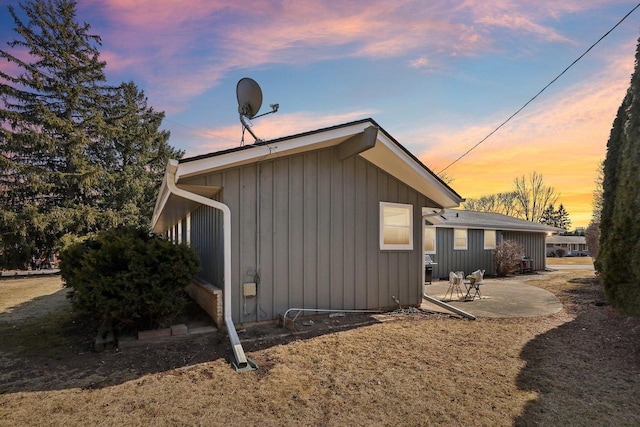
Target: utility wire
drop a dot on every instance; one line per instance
(540, 92)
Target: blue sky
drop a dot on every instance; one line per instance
(438, 75)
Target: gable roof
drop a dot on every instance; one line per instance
(488, 221)
(363, 137)
(567, 240)
(386, 153)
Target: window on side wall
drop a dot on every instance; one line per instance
(459, 239)
(429, 240)
(396, 226)
(489, 239)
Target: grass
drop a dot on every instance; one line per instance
(43, 337)
(582, 260)
(577, 367)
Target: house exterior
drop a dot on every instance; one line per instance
(330, 219)
(459, 240)
(570, 245)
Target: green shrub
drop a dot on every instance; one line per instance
(128, 276)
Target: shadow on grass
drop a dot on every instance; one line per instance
(587, 371)
(55, 351)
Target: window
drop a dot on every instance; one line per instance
(429, 240)
(396, 226)
(459, 238)
(489, 239)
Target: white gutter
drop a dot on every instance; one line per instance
(238, 352)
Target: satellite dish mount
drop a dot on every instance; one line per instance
(249, 102)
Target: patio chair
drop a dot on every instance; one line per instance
(475, 286)
(455, 279)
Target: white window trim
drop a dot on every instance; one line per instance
(466, 239)
(435, 239)
(494, 239)
(399, 247)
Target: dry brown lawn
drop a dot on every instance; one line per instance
(579, 367)
(582, 260)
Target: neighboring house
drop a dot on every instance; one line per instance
(570, 245)
(459, 240)
(329, 219)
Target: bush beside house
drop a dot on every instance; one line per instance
(128, 277)
(508, 254)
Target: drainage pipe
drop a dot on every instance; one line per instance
(437, 301)
(238, 351)
(448, 307)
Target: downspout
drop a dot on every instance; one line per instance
(241, 361)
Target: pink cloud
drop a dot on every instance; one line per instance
(158, 38)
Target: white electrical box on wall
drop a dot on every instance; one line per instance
(249, 290)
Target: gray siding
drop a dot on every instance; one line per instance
(476, 257)
(306, 227)
(209, 246)
(534, 246)
(473, 258)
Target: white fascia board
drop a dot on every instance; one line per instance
(391, 158)
(480, 227)
(161, 201)
(277, 148)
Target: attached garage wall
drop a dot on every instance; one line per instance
(306, 228)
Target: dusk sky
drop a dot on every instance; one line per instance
(437, 75)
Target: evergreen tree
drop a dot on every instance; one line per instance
(140, 156)
(67, 139)
(549, 216)
(50, 120)
(619, 226)
(562, 218)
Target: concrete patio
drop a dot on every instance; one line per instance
(504, 297)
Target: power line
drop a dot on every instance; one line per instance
(540, 92)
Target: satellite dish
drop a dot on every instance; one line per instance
(249, 97)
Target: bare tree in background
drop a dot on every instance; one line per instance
(533, 196)
(592, 233)
(503, 203)
(597, 194)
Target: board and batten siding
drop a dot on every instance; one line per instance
(476, 257)
(306, 229)
(208, 245)
(468, 260)
(534, 245)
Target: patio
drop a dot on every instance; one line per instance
(501, 297)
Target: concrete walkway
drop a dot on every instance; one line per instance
(500, 298)
(20, 274)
